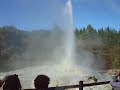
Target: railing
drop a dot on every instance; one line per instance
(80, 86)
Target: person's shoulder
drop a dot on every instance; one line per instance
(115, 84)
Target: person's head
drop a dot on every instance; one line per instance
(41, 81)
(12, 83)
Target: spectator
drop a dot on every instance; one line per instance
(3, 80)
(12, 83)
(115, 82)
(41, 82)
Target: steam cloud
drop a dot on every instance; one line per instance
(58, 46)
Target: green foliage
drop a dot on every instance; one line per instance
(104, 42)
(12, 42)
(109, 49)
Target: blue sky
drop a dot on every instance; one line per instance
(44, 14)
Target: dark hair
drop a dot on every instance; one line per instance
(12, 83)
(41, 81)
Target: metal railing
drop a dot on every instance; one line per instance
(80, 86)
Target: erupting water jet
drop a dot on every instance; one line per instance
(69, 39)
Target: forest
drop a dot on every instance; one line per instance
(102, 42)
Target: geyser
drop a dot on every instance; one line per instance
(68, 59)
(61, 68)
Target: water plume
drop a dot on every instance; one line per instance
(67, 62)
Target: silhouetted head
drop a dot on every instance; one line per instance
(12, 83)
(41, 81)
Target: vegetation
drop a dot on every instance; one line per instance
(12, 42)
(104, 42)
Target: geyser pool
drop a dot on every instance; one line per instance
(57, 76)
